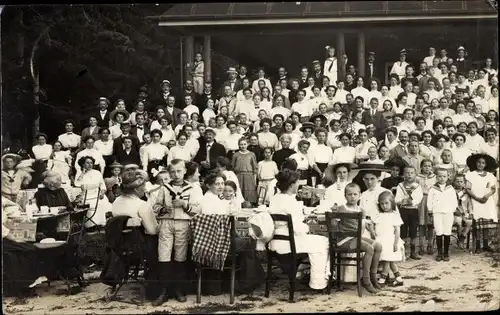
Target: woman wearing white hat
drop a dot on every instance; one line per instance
(399, 67)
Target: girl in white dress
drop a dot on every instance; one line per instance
(387, 229)
(481, 187)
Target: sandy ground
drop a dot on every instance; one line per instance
(466, 283)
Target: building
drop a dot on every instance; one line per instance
(271, 34)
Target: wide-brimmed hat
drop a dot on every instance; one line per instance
(17, 158)
(102, 98)
(130, 167)
(113, 114)
(212, 130)
(324, 120)
(307, 125)
(231, 70)
(115, 165)
(491, 163)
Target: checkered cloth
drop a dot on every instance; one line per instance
(211, 239)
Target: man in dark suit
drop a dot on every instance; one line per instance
(172, 112)
(140, 129)
(126, 154)
(188, 90)
(103, 114)
(304, 75)
(233, 81)
(118, 142)
(209, 151)
(371, 68)
(282, 75)
(165, 93)
(401, 149)
(201, 100)
(374, 117)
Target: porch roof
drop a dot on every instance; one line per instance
(213, 14)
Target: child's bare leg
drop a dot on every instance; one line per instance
(368, 249)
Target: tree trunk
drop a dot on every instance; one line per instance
(36, 86)
(20, 39)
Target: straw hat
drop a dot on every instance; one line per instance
(17, 158)
(307, 125)
(115, 165)
(231, 70)
(113, 114)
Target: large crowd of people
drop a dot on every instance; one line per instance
(433, 127)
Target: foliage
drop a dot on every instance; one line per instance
(86, 52)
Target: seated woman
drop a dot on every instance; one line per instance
(22, 266)
(52, 195)
(315, 246)
(93, 192)
(130, 204)
(250, 273)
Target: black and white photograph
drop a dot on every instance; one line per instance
(250, 157)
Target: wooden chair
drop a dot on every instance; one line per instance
(289, 262)
(337, 252)
(132, 256)
(67, 263)
(232, 265)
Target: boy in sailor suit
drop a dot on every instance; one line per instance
(175, 202)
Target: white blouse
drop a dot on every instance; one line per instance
(207, 114)
(69, 140)
(280, 110)
(301, 159)
(134, 207)
(99, 160)
(42, 152)
(394, 91)
(231, 142)
(212, 204)
(268, 140)
(344, 155)
(167, 135)
(474, 143)
(116, 131)
(221, 134)
(105, 147)
(154, 151)
(320, 154)
(184, 153)
(302, 108)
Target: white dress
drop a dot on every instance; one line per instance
(61, 164)
(384, 227)
(92, 183)
(480, 186)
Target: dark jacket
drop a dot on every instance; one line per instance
(237, 86)
(375, 72)
(124, 159)
(377, 120)
(216, 150)
(100, 121)
(201, 100)
(117, 143)
(174, 117)
(52, 198)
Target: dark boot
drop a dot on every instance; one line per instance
(486, 247)
(413, 252)
(421, 250)
(439, 243)
(478, 246)
(180, 278)
(446, 253)
(164, 271)
(374, 281)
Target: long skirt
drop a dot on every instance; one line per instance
(248, 186)
(108, 159)
(22, 265)
(322, 167)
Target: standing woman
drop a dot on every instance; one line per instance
(94, 190)
(401, 103)
(360, 90)
(303, 163)
(92, 129)
(395, 88)
(302, 106)
(321, 155)
(60, 163)
(42, 152)
(245, 167)
(426, 149)
(166, 129)
(267, 139)
(261, 75)
(346, 153)
(266, 97)
(139, 109)
(117, 117)
(289, 129)
(481, 187)
(284, 153)
(90, 150)
(155, 154)
(105, 146)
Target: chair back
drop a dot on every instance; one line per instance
(335, 231)
(76, 228)
(286, 218)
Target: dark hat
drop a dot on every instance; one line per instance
(41, 134)
(403, 51)
(143, 89)
(113, 114)
(306, 125)
(457, 89)
(324, 120)
(316, 62)
(491, 163)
